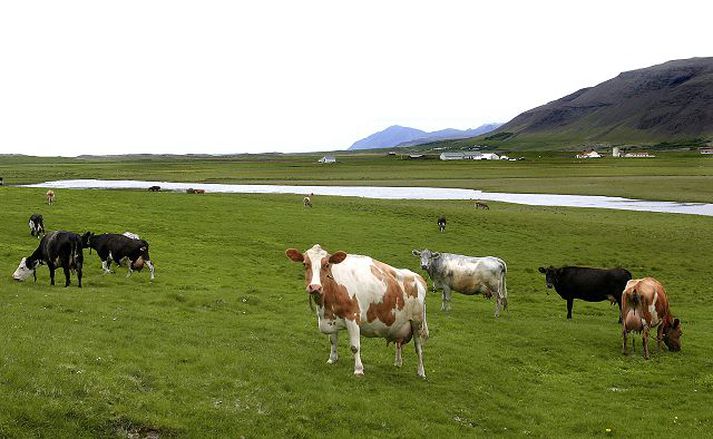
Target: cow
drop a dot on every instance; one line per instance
(307, 202)
(442, 223)
(481, 205)
(198, 191)
(50, 197)
(467, 275)
(190, 190)
(154, 188)
(367, 297)
(588, 284)
(112, 247)
(56, 249)
(645, 306)
(37, 225)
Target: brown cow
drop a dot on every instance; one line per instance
(199, 191)
(643, 306)
(50, 197)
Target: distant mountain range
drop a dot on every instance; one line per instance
(662, 103)
(398, 136)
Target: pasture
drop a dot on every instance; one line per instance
(223, 343)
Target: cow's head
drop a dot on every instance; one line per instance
(25, 269)
(551, 274)
(672, 336)
(318, 265)
(426, 256)
(87, 239)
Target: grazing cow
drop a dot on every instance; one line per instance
(481, 205)
(442, 223)
(198, 191)
(190, 190)
(56, 249)
(37, 225)
(50, 197)
(588, 284)
(467, 275)
(112, 247)
(154, 188)
(367, 297)
(645, 306)
(307, 202)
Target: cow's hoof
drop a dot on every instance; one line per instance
(330, 361)
(359, 374)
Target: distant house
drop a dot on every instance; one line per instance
(416, 156)
(328, 159)
(589, 155)
(705, 151)
(486, 156)
(638, 154)
(616, 152)
(452, 156)
(392, 152)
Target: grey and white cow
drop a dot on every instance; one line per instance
(467, 275)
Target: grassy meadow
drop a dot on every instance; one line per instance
(223, 343)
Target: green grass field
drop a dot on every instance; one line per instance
(676, 176)
(223, 343)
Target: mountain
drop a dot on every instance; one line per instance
(403, 136)
(665, 102)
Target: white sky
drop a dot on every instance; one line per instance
(98, 77)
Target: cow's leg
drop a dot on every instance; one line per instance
(333, 355)
(355, 342)
(151, 268)
(79, 276)
(446, 302)
(51, 268)
(128, 274)
(65, 268)
(645, 341)
(619, 304)
(659, 338)
(623, 336)
(418, 345)
(398, 361)
(105, 266)
(570, 303)
(498, 303)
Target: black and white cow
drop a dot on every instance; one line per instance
(56, 249)
(588, 284)
(442, 223)
(37, 225)
(466, 274)
(112, 247)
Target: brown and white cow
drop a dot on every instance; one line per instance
(50, 197)
(643, 306)
(365, 297)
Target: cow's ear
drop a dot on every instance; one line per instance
(436, 255)
(337, 257)
(415, 252)
(542, 270)
(676, 323)
(294, 255)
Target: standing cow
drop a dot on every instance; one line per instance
(307, 202)
(56, 249)
(588, 284)
(442, 223)
(367, 297)
(50, 197)
(467, 275)
(645, 306)
(37, 225)
(112, 247)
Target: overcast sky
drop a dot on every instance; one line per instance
(98, 77)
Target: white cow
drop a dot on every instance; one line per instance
(466, 274)
(365, 297)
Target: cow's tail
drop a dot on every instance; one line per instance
(503, 290)
(74, 255)
(423, 330)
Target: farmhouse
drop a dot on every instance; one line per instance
(453, 156)
(642, 154)
(486, 156)
(328, 159)
(589, 155)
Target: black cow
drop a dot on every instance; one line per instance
(588, 284)
(154, 188)
(37, 225)
(112, 247)
(442, 223)
(56, 249)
